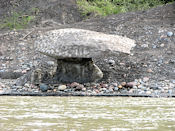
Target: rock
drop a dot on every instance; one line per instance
(150, 71)
(74, 50)
(84, 89)
(116, 88)
(145, 79)
(79, 87)
(51, 63)
(148, 92)
(27, 85)
(169, 34)
(154, 46)
(62, 87)
(54, 90)
(131, 84)
(173, 81)
(162, 45)
(104, 85)
(165, 88)
(80, 43)
(111, 62)
(131, 91)
(154, 87)
(43, 87)
(74, 84)
(134, 87)
(120, 86)
(115, 84)
(144, 46)
(1, 91)
(123, 84)
(110, 90)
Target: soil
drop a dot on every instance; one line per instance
(153, 57)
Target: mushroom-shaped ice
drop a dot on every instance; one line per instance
(75, 48)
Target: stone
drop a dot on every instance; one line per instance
(27, 85)
(43, 87)
(165, 88)
(169, 34)
(79, 87)
(84, 89)
(74, 50)
(144, 46)
(162, 45)
(145, 79)
(131, 84)
(116, 88)
(51, 63)
(81, 70)
(62, 87)
(148, 92)
(74, 84)
(120, 86)
(123, 84)
(150, 71)
(115, 84)
(80, 43)
(111, 62)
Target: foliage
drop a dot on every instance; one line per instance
(16, 21)
(19, 20)
(107, 7)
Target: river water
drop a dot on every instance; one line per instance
(86, 113)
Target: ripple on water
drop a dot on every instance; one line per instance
(87, 113)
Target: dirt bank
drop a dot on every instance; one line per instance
(152, 58)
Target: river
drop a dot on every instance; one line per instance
(86, 113)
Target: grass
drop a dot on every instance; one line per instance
(16, 21)
(107, 7)
(19, 20)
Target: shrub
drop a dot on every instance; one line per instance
(107, 7)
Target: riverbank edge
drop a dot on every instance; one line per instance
(165, 95)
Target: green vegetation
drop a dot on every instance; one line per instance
(16, 21)
(19, 20)
(107, 7)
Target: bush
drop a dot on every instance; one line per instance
(107, 7)
(16, 21)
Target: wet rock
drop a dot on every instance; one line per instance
(62, 87)
(43, 87)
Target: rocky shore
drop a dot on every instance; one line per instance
(138, 88)
(148, 72)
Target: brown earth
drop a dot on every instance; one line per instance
(153, 57)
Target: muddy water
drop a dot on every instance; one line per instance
(86, 113)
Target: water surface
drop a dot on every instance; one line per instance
(86, 113)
